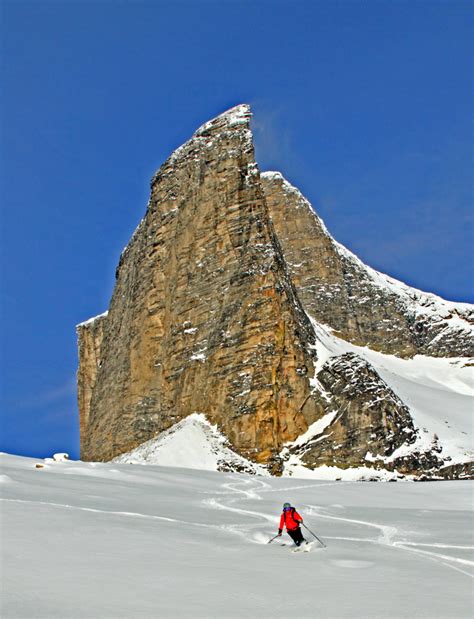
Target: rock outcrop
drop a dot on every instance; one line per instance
(214, 311)
(366, 416)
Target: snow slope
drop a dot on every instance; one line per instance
(192, 443)
(105, 541)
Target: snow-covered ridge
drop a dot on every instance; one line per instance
(192, 443)
(90, 321)
(428, 301)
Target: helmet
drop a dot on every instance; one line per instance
(286, 505)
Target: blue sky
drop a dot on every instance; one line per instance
(364, 105)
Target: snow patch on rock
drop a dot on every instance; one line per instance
(88, 322)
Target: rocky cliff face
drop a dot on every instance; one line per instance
(210, 315)
(365, 412)
(204, 317)
(90, 337)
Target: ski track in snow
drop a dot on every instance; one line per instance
(251, 489)
(386, 535)
(114, 513)
(386, 539)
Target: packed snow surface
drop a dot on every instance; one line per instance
(105, 541)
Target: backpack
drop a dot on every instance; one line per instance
(292, 512)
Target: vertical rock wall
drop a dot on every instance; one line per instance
(203, 317)
(90, 335)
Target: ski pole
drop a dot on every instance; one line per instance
(271, 540)
(315, 536)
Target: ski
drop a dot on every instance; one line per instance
(306, 547)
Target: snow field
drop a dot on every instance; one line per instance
(112, 540)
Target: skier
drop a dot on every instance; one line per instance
(291, 519)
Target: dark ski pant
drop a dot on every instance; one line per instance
(296, 535)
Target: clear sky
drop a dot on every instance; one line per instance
(365, 105)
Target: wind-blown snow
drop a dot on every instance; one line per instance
(109, 541)
(192, 443)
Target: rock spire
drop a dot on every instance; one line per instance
(223, 299)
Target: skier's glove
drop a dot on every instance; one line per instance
(280, 531)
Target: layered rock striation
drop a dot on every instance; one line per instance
(214, 310)
(204, 317)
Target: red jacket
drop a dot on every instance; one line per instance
(291, 519)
